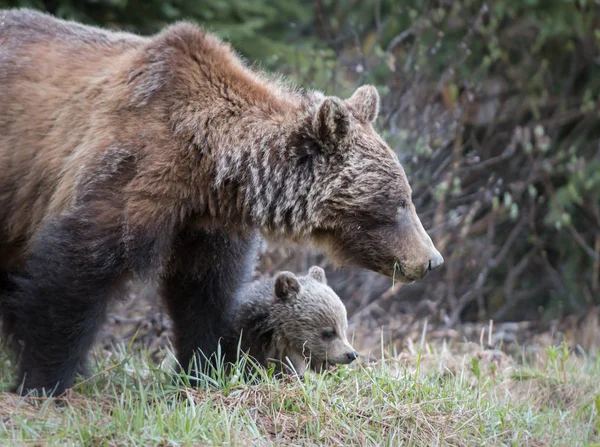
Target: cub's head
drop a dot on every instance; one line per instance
(312, 320)
(360, 201)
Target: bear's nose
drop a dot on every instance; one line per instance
(352, 355)
(436, 262)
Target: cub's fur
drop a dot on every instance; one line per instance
(294, 322)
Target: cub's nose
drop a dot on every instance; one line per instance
(436, 261)
(352, 355)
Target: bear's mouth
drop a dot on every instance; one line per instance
(399, 274)
(324, 365)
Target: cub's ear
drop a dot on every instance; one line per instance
(365, 102)
(331, 123)
(318, 274)
(287, 286)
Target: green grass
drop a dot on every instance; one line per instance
(430, 397)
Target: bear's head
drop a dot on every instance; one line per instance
(311, 320)
(362, 201)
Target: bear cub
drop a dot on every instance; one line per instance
(294, 322)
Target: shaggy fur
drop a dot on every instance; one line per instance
(164, 157)
(293, 321)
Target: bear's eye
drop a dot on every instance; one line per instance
(328, 334)
(402, 204)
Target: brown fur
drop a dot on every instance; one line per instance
(190, 126)
(124, 155)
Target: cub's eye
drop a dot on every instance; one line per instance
(402, 204)
(328, 334)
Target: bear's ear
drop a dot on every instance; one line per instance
(331, 123)
(318, 274)
(287, 286)
(365, 102)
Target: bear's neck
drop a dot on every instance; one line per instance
(260, 331)
(256, 179)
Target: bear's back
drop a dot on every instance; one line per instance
(41, 49)
(26, 26)
(255, 303)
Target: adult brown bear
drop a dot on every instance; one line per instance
(164, 158)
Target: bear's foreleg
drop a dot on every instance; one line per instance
(208, 269)
(7, 287)
(73, 266)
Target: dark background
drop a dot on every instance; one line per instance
(494, 111)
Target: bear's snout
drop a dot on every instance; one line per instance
(345, 356)
(436, 261)
(352, 355)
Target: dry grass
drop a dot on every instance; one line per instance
(438, 395)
